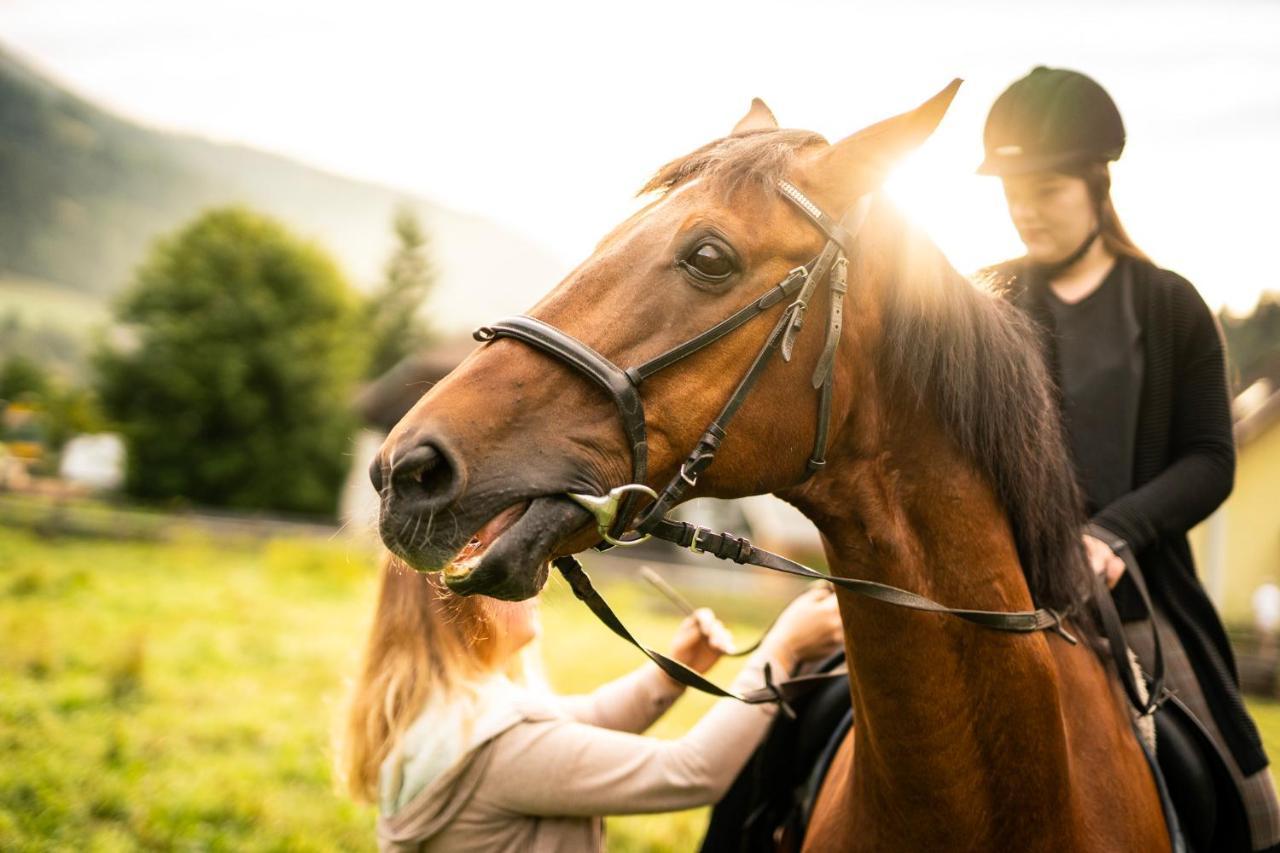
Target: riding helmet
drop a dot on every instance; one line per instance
(1051, 119)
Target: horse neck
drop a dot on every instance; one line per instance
(946, 710)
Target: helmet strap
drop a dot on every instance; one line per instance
(1047, 272)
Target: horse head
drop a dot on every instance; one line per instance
(475, 480)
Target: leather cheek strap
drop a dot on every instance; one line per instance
(593, 365)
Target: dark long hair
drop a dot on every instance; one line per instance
(1097, 177)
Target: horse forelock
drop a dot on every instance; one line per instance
(758, 156)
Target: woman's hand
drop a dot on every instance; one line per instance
(701, 640)
(1103, 560)
(808, 630)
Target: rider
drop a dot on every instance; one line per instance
(454, 736)
(1139, 363)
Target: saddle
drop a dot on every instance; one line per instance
(1205, 799)
(769, 805)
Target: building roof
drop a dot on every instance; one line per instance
(1257, 410)
(387, 399)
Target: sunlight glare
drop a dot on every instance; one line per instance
(964, 214)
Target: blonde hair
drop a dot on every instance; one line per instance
(427, 647)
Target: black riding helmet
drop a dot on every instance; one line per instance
(1050, 120)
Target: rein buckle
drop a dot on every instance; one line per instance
(698, 530)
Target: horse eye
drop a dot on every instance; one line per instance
(709, 262)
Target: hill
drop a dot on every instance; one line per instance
(83, 192)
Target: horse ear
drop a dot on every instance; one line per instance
(759, 117)
(865, 158)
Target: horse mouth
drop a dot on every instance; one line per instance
(473, 552)
(507, 557)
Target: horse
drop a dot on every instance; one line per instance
(929, 457)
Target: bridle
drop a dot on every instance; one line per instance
(614, 510)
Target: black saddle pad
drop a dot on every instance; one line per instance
(771, 798)
(1211, 814)
(772, 795)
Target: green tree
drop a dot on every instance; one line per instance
(22, 377)
(234, 390)
(68, 412)
(394, 321)
(1253, 341)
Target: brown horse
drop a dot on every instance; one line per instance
(946, 475)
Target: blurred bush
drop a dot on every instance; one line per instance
(231, 386)
(1253, 341)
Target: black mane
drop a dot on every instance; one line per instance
(971, 356)
(977, 361)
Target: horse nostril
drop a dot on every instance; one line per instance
(376, 475)
(424, 472)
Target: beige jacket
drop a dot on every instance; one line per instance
(538, 772)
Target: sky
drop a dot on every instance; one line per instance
(546, 117)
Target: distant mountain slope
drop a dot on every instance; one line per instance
(83, 193)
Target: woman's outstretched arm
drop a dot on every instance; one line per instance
(569, 769)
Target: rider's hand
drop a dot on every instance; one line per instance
(1103, 560)
(808, 630)
(701, 640)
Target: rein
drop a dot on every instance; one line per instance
(614, 510)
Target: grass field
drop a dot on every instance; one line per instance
(182, 695)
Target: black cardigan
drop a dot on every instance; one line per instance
(1184, 468)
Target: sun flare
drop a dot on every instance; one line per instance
(963, 213)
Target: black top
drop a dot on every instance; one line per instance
(1099, 347)
(1183, 469)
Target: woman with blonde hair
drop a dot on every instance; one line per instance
(453, 735)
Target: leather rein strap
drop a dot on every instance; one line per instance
(614, 511)
(773, 692)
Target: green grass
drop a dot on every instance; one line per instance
(173, 697)
(182, 695)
